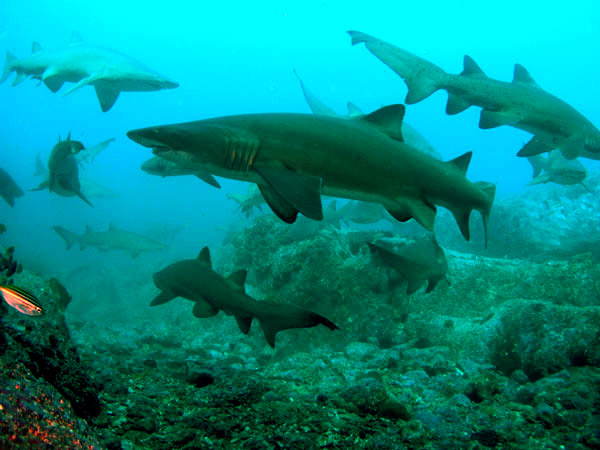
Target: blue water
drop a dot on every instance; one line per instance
(238, 58)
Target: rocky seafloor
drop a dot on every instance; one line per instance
(506, 355)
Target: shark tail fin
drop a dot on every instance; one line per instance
(290, 316)
(8, 68)
(490, 191)
(69, 237)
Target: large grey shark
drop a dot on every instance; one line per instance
(161, 167)
(63, 170)
(9, 189)
(294, 158)
(108, 71)
(520, 103)
(112, 239)
(195, 279)
(409, 133)
(557, 169)
(418, 262)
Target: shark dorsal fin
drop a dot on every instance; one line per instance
(237, 279)
(521, 75)
(471, 69)
(76, 38)
(68, 137)
(353, 110)
(388, 119)
(204, 256)
(36, 47)
(462, 162)
(59, 139)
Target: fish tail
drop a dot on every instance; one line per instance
(69, 237)
(421, 77)
(490, 191)
(8, 66)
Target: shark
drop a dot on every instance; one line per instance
(409, 133)
(63, 170)
(111, 239)
(296, 158)
(108, 71)
(557, 169)
(521, 103)
(419, 262)
(248, 202)
(163, 168)
(9, 189)
(195, 280)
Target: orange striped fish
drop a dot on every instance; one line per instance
(22, 300)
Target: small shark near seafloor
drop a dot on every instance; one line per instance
(194, 279)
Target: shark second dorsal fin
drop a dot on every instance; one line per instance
(36, 47)
(462, 162)
(237, 280)
(471, 68)
(521, 75)
(387, 119)
(204, 256)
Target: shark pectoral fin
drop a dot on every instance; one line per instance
(420, 210)
(107, 95)
(244, 323)
(456, 105)
(280, 206)
(572, 147)
(536, 145)
(303, 192)
(237, 279)
(208, 178)
(388, 120)
(492, 119)
(203, 309)
(543, 178)
(163, 297)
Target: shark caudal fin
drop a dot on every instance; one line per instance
(285, 316)
(8, 69)
(69, 237)
(421, 77)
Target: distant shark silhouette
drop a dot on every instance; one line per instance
(9, 189)
(108, 71)
(195, 280)
(520, 103)
(557, 169)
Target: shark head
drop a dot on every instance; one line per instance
(191, 145)
(155, 166)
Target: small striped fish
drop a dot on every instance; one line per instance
(22, 300)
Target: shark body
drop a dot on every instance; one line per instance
(194, 279)
(294, 158)
(521, 103)
(108, 71)
(9, 189)
(163, 168)
(112, 239)
(419, 262)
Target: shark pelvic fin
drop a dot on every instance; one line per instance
(536, 145)
(303, 192)
(432, 283)
(462, 219)
(163, 297)
(462, 162)
(521, 75)
(420, 210)
(538, 164)
(19, 78)
(278, 204)
(54, 84)
(237, 280)
(388, 120)
(492, 119)
(208, 178)
(572, 147)
(204, 256)
(471, 68)
(244, 323)
(203, 309)
(456, 105)
(107, 95)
